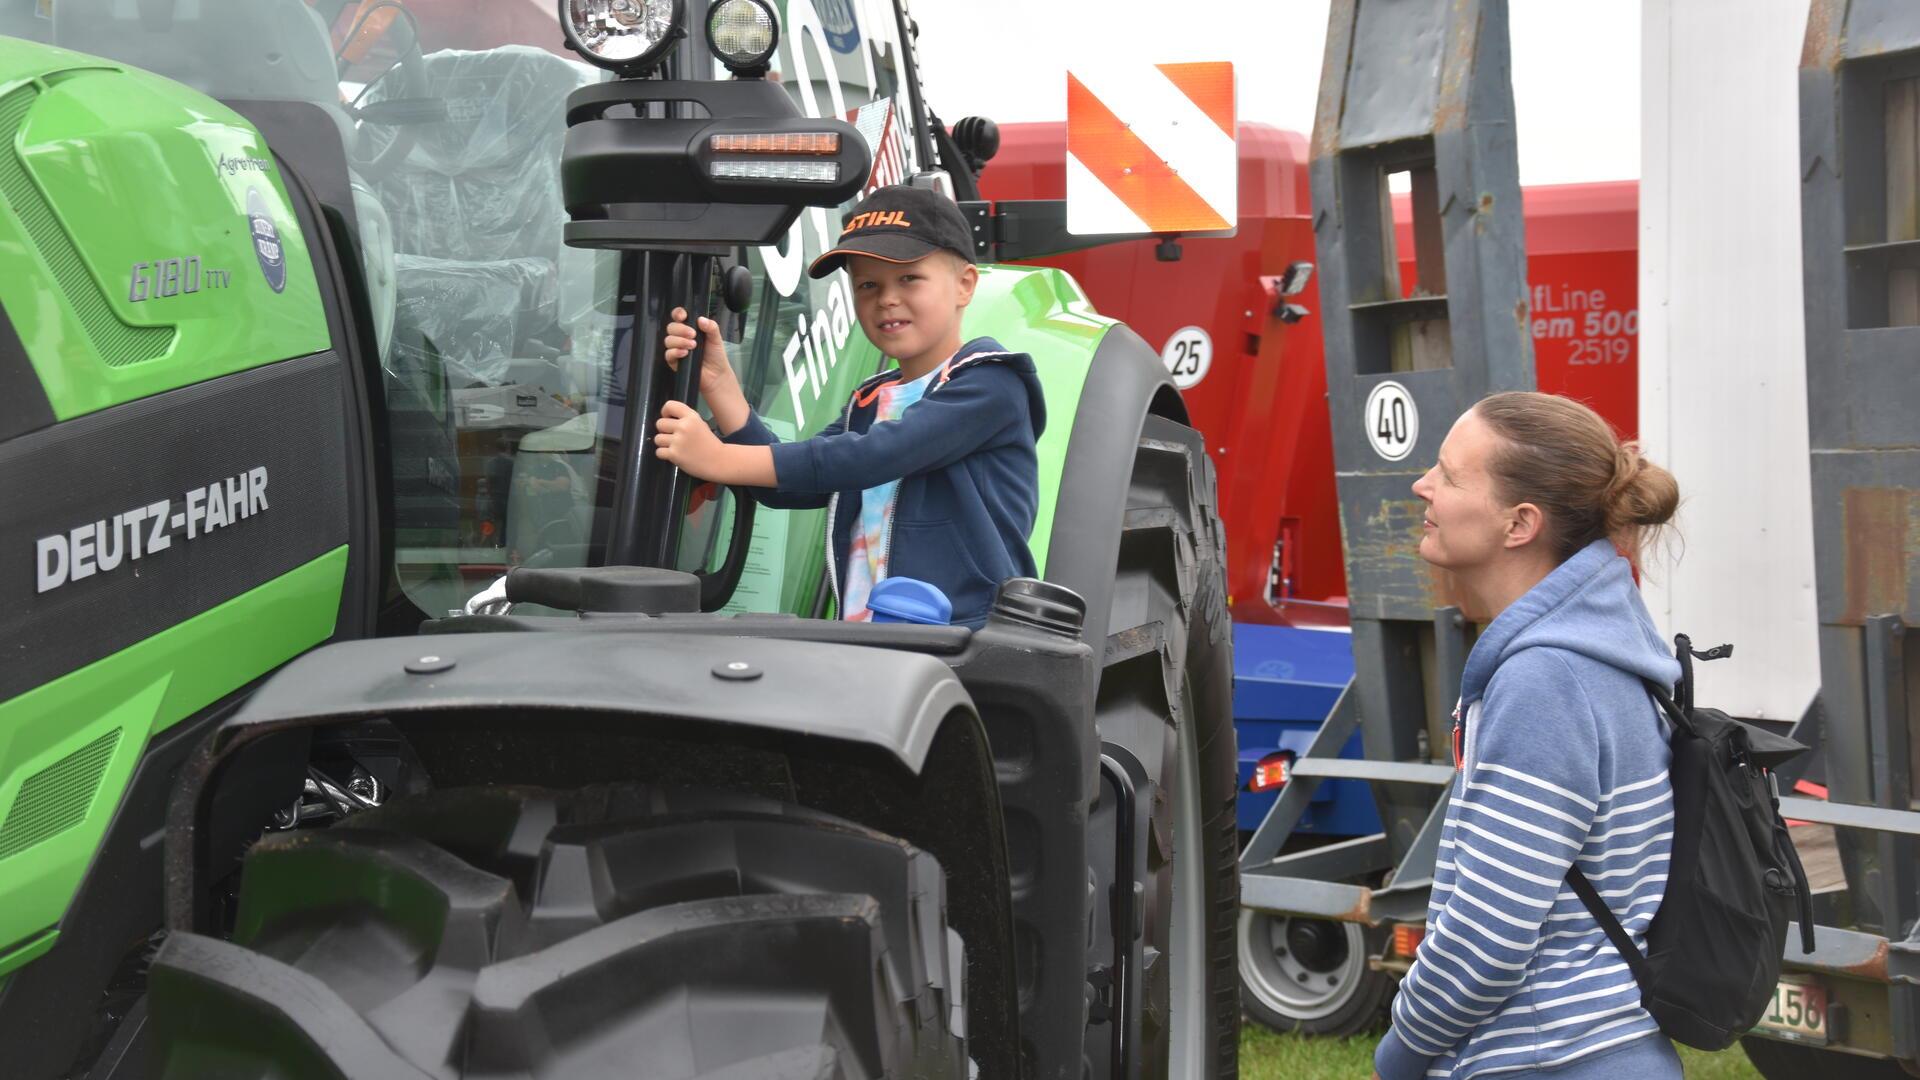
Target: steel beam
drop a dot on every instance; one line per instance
(1391, 772)
(1345, 861)
(1305, 896)
(1836, 951)
(1851, 815)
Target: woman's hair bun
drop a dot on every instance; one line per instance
(1642, 495)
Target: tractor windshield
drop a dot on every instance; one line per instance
(499, 345)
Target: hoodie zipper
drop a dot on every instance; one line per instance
(833, 511)
(1459, 737)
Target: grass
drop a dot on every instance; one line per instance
(1267, 1055)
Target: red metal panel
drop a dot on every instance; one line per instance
(1583, 266)
(1262, 404)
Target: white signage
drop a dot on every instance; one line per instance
(104, 545)
(1188, 354)
(1391, 420)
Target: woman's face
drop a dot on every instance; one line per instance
(1467, 525)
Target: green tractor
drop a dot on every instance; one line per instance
(320, 320)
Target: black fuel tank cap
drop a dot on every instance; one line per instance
(1042, 605)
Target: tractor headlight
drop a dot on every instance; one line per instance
(627, 36)
(743, 34)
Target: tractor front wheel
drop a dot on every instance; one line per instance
(626, 931)
(1166, 696)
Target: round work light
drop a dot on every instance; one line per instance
(743, 34)
(627, 36)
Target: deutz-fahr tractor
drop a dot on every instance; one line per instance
(322, 319)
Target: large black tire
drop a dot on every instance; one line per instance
(1310, 976)
(1776, 1059)
(1166, 691)
(626, 931)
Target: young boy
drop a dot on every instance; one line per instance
(930, 471)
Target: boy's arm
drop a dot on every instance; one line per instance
(754, 431)
(739, 458)
(934, 432)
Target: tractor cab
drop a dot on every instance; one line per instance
(273, 801)
(501, 437)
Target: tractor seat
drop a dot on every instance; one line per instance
(477, 215)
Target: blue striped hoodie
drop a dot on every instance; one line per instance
(1565, 757)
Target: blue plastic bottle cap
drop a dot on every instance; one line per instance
(909, 600)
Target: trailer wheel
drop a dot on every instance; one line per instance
(1777, 1059)
(632, 931)
(1168, 675)
(1309, 976)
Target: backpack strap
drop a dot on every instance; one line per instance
(1602, 914)
(1681, 719)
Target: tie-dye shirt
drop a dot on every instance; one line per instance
(867, 557)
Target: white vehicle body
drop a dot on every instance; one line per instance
(1722, 343)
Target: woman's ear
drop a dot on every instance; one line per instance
(1525, 524)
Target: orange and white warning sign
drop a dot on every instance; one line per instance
(1151, 149)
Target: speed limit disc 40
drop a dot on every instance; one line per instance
(1391, 420)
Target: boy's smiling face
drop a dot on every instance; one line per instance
(911, 311)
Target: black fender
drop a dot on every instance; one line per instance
(1126, 383)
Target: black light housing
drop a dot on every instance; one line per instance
(743, 35)
(741, 175)
(628, 37)
(1294, 281)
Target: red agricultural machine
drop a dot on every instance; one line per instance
(1236, 320)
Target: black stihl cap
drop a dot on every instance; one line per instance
(899, 224)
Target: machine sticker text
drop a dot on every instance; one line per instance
(1598, 332)
(104, 545)
(814, 349)
(234, 165)
(183, 276)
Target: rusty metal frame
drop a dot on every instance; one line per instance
(1860, 235)
(1318, 882)
(1425, 87)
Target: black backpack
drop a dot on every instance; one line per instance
(1734, 880)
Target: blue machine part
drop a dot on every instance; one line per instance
(1285, 681)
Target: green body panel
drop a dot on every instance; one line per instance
(1037, 310)
(115, 183)
(143, 231)
(97, 721)
(1042, 311)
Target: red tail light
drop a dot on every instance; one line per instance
(1406, 938)
(1272, 771)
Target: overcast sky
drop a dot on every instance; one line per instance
(1576, 65)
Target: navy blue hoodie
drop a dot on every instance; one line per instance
(969, 480)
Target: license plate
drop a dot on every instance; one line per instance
(1798, 1011)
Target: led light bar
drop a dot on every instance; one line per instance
(811, 172)
(822, 143)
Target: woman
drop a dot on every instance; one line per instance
(1538, 512)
